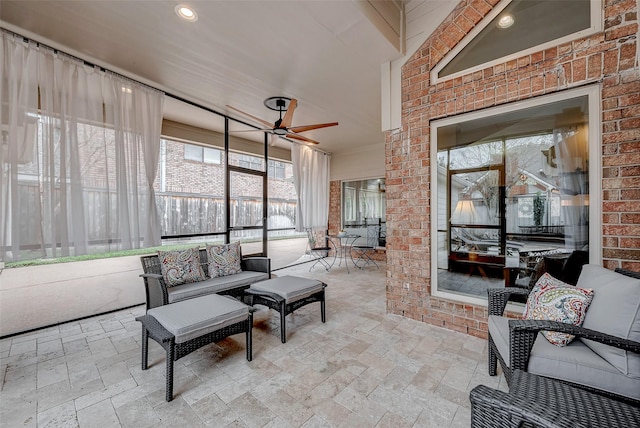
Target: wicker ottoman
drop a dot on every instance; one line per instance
(182, 327)
(286, 294)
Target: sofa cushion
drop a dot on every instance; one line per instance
(181, 266)
(555, 300)
(223, 259)
(196, 317)
(214, 285)
(575, 363)
(615, 310)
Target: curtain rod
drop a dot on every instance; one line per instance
(168, 94)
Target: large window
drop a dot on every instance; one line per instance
(520, 27)
(513, 180)
(364, 210)
(190, 190)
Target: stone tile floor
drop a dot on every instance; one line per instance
(362, 368)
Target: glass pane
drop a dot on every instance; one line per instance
(247, 161)
(188, 206)
(251, 240)
(475, 198)
(245, 200)
(542, 176)
(475, 155)
(533, 23)
(212, 155)
(363, 203)
(282, 196)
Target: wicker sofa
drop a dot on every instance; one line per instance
(604, 358)
(158, 293)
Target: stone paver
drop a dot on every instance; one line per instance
(362, 368)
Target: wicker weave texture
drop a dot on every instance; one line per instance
(151, 328)
(541, 402)
(156, 288)
(284, 308)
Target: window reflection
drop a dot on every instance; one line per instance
(363, 210)
(508, 185)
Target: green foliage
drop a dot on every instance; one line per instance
(538, 209)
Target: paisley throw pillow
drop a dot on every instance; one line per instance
(181, 266)
(554, 300)
(224, 259)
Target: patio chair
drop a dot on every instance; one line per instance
(364, 252)
(319, 247)
(592, 361)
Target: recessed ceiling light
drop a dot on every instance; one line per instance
(506, 21)
(186, 13)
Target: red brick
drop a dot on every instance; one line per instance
(607, 56)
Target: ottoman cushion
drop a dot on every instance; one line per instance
(196, 317)
(292, 288)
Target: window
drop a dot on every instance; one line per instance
(190, 195)
(246, 161)
(363, 202)
(276, 169)
(520, 27)
(202, 154)
(512, 180)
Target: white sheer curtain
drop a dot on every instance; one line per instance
(572, 160)
(79, 156)
(311, 180)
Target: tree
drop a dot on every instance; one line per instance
(538, 209)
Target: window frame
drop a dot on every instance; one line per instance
(596, 26)
(593, 92)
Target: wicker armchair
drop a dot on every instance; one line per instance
(517, 344)
(519, 282)
(541, 402)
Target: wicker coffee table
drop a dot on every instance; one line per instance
(542, 402)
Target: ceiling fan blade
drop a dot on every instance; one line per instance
(288, 116)
(304, 128)
(257, 119)
(301, 138)
(254, 130)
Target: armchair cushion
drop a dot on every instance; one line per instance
(554, 300)
(223, 259)
(574, 363)
(615, 310)
(181, 266)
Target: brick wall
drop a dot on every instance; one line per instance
(607, 57)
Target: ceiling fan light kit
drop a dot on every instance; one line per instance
(282, 127)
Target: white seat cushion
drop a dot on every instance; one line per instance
(292, 288)
(196, 317)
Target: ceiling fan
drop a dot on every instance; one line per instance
(282, 127)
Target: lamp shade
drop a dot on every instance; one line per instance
(465, 212)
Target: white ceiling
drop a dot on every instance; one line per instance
(326, 54)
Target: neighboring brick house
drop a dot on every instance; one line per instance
(184, 175)
(609, 57)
